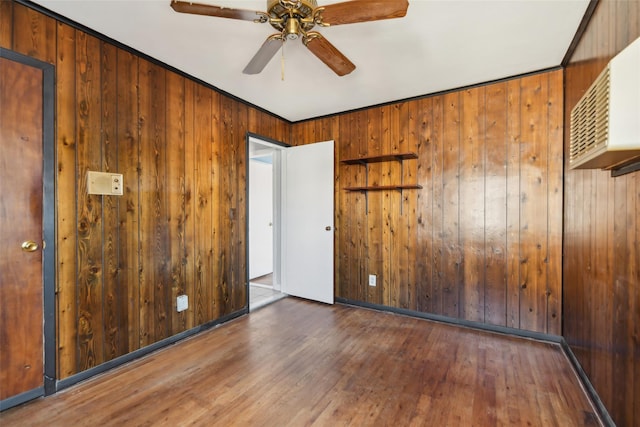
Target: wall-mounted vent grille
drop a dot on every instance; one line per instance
(605, 123)
(590, 119)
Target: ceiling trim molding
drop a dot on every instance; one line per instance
(588, 14)
(133, 51)
(429, 95)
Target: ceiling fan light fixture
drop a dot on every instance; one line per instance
(292, 29)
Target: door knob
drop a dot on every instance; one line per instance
(328, 228)
(29, 246)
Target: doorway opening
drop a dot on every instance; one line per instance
(264, 221)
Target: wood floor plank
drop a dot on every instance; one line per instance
(301, 363)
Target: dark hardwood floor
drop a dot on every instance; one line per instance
(297, 363)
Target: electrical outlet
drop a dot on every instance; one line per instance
(182, 303)
(372, 280)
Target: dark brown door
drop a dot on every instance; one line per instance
(21, 283)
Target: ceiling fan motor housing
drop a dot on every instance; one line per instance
(280, 8)
(292, 18)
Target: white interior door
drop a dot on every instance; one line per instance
(260, 218)
(308, 222)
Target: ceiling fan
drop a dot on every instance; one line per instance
(295, 19)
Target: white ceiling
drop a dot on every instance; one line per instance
(439, 45)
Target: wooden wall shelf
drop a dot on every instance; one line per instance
(395, 157)
(384, 187)
(382, 158)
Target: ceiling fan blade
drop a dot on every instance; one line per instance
(327, 53)
(363, 10)
(264, 54)
(209, 10)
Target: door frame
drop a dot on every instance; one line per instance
(277, 225)
(48, 225)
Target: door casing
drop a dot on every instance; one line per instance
(48, 224)
(279, 216)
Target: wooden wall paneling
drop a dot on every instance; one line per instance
(346, 149)
(588, 234)
(297, 134)
(452, 256)
(620, 316)
(472, 204)
(397, 141)
(391, 209)
(218, 172)
(409, 141)
(496, 163)
(533, 199)
(341, 227)
(375, 214)
(422, 129)
(34, 34)
(437, 205)
(361, 262)
(89, 214)
(129, 231)
(155, 281)
(238, 290)
(597, 262)
(203, 258)
(66, 331)
(330, 129)
(190, 202)
(112, 301)
(555, 107)
(6, 24)
(227, 208)
(514, 137)
(175, 121)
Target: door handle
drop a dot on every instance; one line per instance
(29, 246)
(328, 228)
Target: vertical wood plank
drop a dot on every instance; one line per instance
(438, 203)
(425, 237)
(89, 214)
(34, 34)
(190, 200)
(496, 164)
(362, 264)
(554, 209)
(226, 207)
(347, 235)
(112, 304)
(66, 315)
(452, 254)
(155, 279)
(203, 201)
(6, 24)
(472, 205)
(128, 162)
(218, 173)
(238, 291)
(533, 199)
(621, 286)
(388, 203)
(375, 215)
(176, 174)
